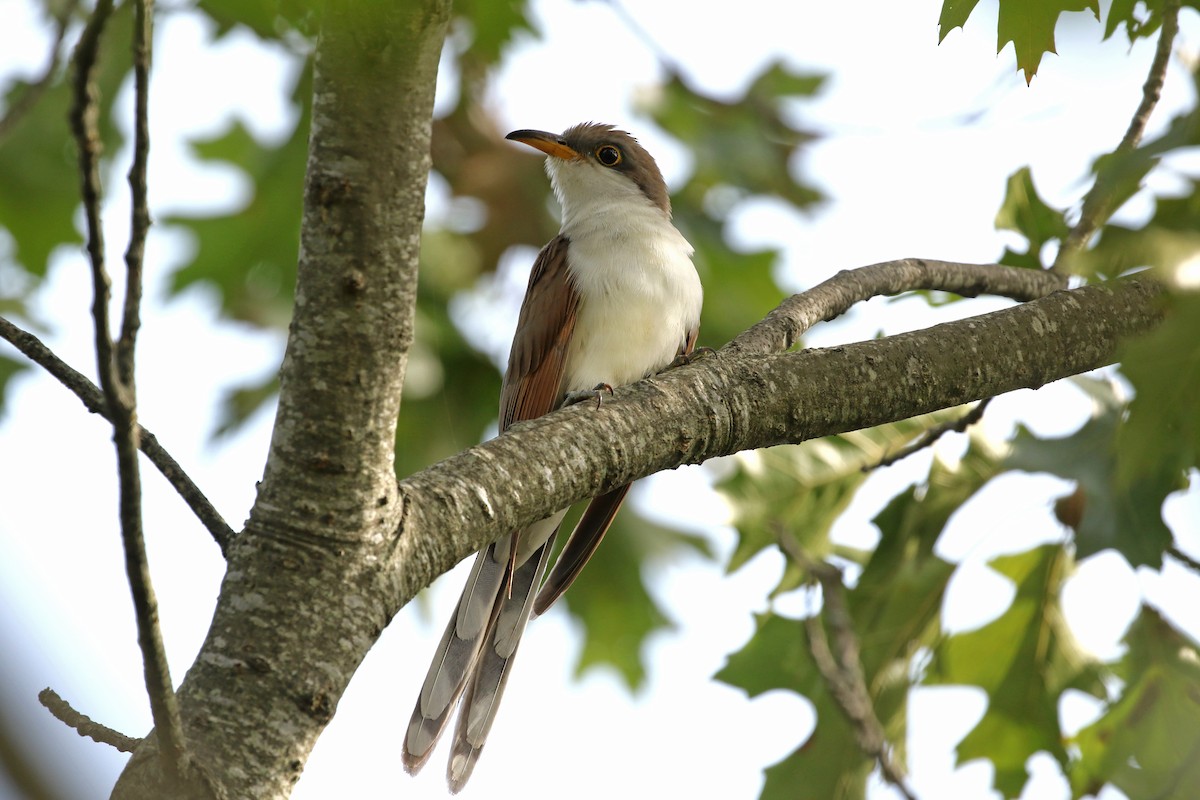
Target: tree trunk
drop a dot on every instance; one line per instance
(301, 602)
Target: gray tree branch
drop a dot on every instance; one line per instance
(736, 401)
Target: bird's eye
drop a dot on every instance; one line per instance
(608, 155)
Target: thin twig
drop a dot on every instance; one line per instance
(93, 399)
(116, 379)
(84, 724)
(1183, 558)
(139, 223)
(930, 437)
(1097, 202)
(33, 92)
(842, 670)
(83, 118)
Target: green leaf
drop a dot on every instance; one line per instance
(1029, 25)
(1024, 212)
(1147, 743)
(1123, 514)
(830, 765)
(1125, 12)
(1024, 661)
(895, 607)
(904, 578)
(801, 490)
(1169, 242)
(1162, 433)
(954, 15)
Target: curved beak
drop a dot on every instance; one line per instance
(548, 143)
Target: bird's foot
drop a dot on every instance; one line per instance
(684, 359)
(596, 393)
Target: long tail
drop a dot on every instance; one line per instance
(490, 674)
(476, 650)
(455, 655)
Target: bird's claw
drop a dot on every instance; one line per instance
(684, 359)
(596, 393)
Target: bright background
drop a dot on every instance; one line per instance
(918, 140)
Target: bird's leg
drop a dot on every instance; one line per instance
(596, 393)
(684, 359)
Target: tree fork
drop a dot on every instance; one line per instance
(279, 653)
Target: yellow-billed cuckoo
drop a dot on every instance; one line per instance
(612, 299)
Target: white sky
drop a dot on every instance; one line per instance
(906, 176)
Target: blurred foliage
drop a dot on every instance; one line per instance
(799, 491)
(1025, 679)
(895, 605)
(1024, 212)
(39, 165)
(1162, 433)
(1139, 18)
(1121, 512)
(1124, 461)
(1146, 741)
(248, 254)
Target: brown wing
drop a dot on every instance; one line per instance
(533, 383)
(590, 530)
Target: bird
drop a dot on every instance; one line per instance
(612, 299)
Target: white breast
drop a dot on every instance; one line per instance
(639, 293)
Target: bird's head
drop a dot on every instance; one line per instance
(592, 164)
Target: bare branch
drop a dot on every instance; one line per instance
(842, 671)
(93, 399)
(784, 326)
(1098, 201)
(35, 90)
(116, 379)
(84, 724)
(930, 437)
